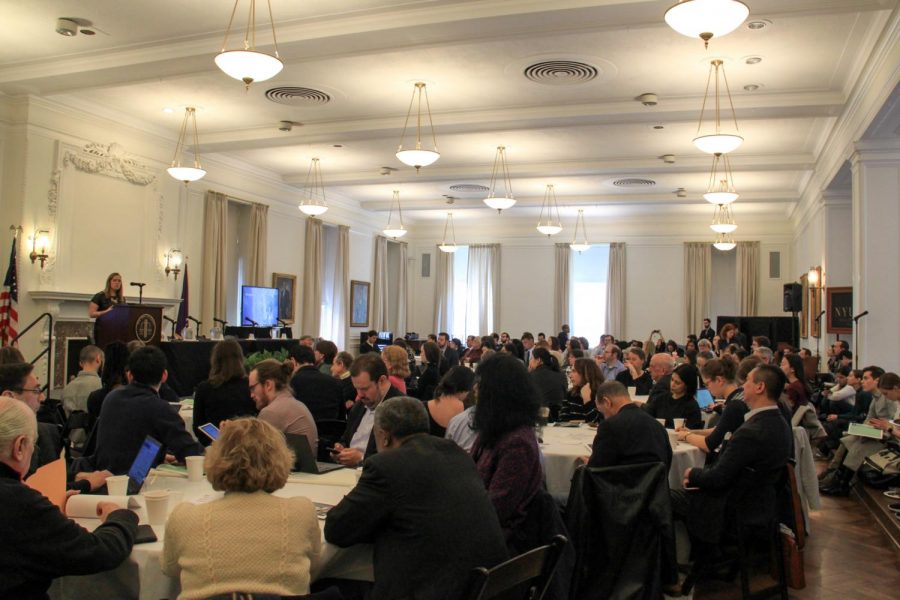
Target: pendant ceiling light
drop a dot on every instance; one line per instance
(721, 182)
(724, 243)
(450, 246)
(187, 174)
(501, 170)
(313, 203)
(716, 141)
(395, 230)
(706, 19)
(583, 244)
(249, 64)
(550, 226)
(417, 157)
(723, 220)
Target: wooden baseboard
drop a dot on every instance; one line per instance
(877, 504)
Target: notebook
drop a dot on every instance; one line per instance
(305, 462)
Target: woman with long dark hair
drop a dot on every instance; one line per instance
(586, 378)
(431, 363)
(450, 399)
(548, 379)
(680, 401)
(797, 390)
(225, 395)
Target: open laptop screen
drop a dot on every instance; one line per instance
(143, 462)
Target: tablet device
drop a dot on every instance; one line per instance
(210, 431)
(704, 398)
(143, 462)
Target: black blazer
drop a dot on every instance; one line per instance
(366, 347)
(427, 512)
(321, 393)
(451, 359)
(630, 437)
(215, 404)
(707, 334)
(660, 388)
(551, 385)
(428, 381)
(354, 417)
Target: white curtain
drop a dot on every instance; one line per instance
(443, 291)
(561, 304)
(615, 290)
(313, 266)
(336, 296)
(380, 314)
(259, 225)
(483, 283)
(215, 226)
(748, 278)
(697, 279)
(402, 292)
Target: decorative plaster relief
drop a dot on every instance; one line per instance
(112, 161)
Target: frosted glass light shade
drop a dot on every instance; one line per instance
(312, 210)
(500, 203)
(550, 229)
(417, 158)
(249, 65)
(720, 197)
(580, 247)
(718, 143)
(451, 248)
(186, 174)
(394, 231)
(706, 18)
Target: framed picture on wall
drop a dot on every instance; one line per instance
(804, 306)
(359, 303)
(287, 290)
(839, 304)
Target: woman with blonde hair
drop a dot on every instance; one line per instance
(397, 364)
(249, 540)
(103, 302)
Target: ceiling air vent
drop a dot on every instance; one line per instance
(297, 96)
(471, 188)
(633, 182)
(560, 72)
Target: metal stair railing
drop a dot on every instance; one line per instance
(48, 351)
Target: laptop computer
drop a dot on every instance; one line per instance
(304, 460)
(704, 398)
(142, 464)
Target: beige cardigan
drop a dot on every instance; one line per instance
(242, 543)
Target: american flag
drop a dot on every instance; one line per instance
(9, 301)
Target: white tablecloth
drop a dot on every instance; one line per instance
(141, 576)
(563, 445)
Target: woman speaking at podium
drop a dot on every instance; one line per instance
(104, 301)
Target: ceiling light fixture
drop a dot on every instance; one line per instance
(720, 189)
(313, 203)
(583, 244)
(723, 220)
(418, 157)
(717, 141)
(248, 64)
(187, 174)
(706, 18)
(445, 246)
(550, 226)
(507, 200)
(724, 243)
(393, 230)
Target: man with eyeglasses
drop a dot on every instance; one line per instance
(18, 381)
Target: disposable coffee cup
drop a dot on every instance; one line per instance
(632, 391)
(543, 416)
(679, 423)
(661, 422)
(157, 504)
(117, 485)
(194, 468)
(251, 336)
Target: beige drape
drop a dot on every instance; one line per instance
(340, 293)
(215, 225)
(561, 291)
(615, 290)
(483, 284)
(697, 279)
(259, 237)
(748, 278)
(380, 314)
(443, 291)
(313, 267)
(402, 292)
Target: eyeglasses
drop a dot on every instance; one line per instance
(36, 390)
(253, 385)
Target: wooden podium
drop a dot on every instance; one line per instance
(127, 322)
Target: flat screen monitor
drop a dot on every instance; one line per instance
(259, 304)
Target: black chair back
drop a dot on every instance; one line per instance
(330, 432)
(528, 575)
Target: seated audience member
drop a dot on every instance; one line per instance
(528, 344)
(727, 336)
(397, 364)
(690, 346)
(563, 337)
(836, 423)
(112, 377)
(703, 358)
(834, 354)
(308, 340)
(449, 399)
(762, 446)
(421, 503)
(449, 355)
(720, 377)
(550, 382)
(11, 355)
(661, 367)
(611, 365)
(431, 369)
(506, 452)
(586, 378)
(572, 355)
(18, 381)
(839, 400)
(766, 354)
(245, 548)
(431, 338)
(39, 543)
(626, 435)
(319, 392)
(634, 374)
(410, 355)
(165, 390)
(854, 449)
(541, 337)
(760, 341)
(340, 370)
(75, 395)
(680, 402)
(704, 345)
(473, 353)
(225, 395)
(368, 345)
(370, 378)
(324, 352)
(673, 349)
(271, 393)
(707, 333)
(133, 412)
(797, 389)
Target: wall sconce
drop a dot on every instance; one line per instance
(40, 247)
(813, 277)
(173, 262)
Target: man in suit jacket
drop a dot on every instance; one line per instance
(368, 345)
(707, 333)
(451, 356)
(661, 367)
(320, 393)
(627, 435)
(370, 378)
(422, 504)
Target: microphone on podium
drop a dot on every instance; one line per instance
(251, 321)
(140, 286)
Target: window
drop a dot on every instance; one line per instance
(587, 292)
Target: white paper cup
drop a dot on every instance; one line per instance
(661, 422)
(157, 504)
(679, 423)
(194, 468)
(117, 485)
(632, 391)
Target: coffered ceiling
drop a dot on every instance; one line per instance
(364, 56)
